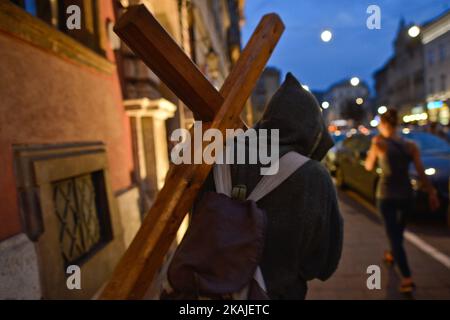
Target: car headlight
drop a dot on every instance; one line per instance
(430, 171)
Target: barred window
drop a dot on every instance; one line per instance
(83, 222)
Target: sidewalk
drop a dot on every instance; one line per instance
(364, 244)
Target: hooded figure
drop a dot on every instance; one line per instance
(304, 227)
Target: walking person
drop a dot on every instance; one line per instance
(394, 192)
(304, 231)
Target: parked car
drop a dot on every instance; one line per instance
(330, 158)
(435, 152)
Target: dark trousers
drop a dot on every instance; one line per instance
(394, 212)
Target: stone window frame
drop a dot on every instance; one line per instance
(36, 167)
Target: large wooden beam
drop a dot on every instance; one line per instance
(143, 258)
(139, 29)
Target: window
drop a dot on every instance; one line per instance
(53, 12)
(67, 208)
(82, 220)
(42, 9)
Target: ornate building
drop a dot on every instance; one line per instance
(267, 85)
(84, 133)
(400, 83)
(436, 42)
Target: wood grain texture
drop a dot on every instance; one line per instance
(139, 29)
(143, 258)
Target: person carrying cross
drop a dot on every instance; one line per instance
(304, 227)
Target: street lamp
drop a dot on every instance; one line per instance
(326, 35)
(354, 81)
(414, 31)
(325, 104)
(382, 109)
(359, 101)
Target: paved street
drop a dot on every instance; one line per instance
(364, 244)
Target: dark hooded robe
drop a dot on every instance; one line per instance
(304, 227)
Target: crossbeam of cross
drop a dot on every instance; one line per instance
(139, 29)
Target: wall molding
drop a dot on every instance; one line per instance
(17, 22)
(27, 181)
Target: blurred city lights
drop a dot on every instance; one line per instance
(354, 81)
(364, 130)
(406, 131)
(326, 35)
(414, 31)
(435, 105)
(373, 123)
(359, 101)
(430, 171)
(415, 117)
(382, 109)
(325, 104)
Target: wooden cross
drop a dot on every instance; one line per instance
(149, 41)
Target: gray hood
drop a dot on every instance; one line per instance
(296, 113)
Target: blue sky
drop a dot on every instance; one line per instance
(354, 49)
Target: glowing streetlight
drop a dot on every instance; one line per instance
(359, 101)
(325, 104)
(414, 31)
(354, 81)
(326, 35)
(382, 109)
(373, 123)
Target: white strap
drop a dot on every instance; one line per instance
(287, 165)
(260, 279)
(222, 179)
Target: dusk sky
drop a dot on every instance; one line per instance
(354, 50)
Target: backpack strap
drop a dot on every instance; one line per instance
(222, 179)
(287, 165)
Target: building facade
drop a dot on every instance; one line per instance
(84, 134)
(67, 193)
(400, 83)
(341, 94)
(267, 85)
(436, 43)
